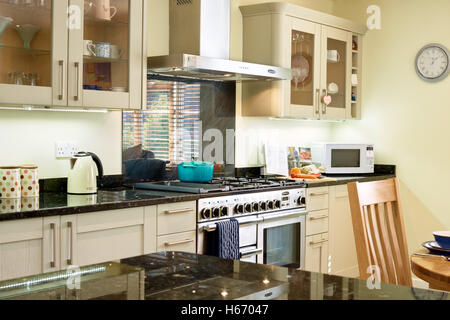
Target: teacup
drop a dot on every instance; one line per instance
(103, 10)
(116, 52)
(100, 49)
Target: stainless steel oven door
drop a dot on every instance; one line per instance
(248, 231)
(282, 237)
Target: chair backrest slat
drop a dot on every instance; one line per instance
(379, 230)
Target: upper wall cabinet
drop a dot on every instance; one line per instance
(323, 52)
(74, 53)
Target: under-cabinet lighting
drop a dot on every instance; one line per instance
(305, 120)
(32, 108)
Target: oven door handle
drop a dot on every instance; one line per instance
(212, 226)
(251, 253)
(278, 216)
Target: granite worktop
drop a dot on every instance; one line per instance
(185, 276)
(60, 203)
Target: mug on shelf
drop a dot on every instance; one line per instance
(103, 10)
(86, 46)
(333, 88)
(29, 180)
(333, 56)
(116, 52)
(100, 49)
(10, 183)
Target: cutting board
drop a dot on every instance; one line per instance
(309, 181)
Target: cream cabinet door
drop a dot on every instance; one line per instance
(105, 55)
(316, 255)
(30, 71)
(21, 248)
(303, 48)
(336, 70)
(344, 261)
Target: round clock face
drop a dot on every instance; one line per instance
(433, 63)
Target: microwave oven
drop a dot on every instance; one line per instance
(344, 158)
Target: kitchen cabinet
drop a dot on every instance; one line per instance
(317, 253)
(317, 47)
(343, 258)
(64, 69)
(177, 226)
(21, 248)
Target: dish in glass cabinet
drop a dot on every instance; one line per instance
(301, 71)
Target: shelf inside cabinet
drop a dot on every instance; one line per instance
(92, 59)
(33, 52)
(20, 8)
(99, 22)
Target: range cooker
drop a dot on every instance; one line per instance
(271, 215)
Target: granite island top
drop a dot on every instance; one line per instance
(185, 276)
(60, 203)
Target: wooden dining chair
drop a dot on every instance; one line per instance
(379, 231)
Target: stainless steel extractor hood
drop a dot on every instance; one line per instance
(199, 46)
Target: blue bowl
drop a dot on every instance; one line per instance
(195, 171)
(442, 238)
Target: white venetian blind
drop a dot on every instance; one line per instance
(170, 126)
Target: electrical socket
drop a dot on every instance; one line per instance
(65, 149)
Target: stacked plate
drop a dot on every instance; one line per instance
(442, 244)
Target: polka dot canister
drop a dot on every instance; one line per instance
(29, 180)
(10, 205)
(30, 204)
(10, 187)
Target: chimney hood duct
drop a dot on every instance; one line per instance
(200, 45)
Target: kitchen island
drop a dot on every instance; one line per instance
(185, 276)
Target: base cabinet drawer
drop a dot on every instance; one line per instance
(176, 217)
(184, 242)
(317, 222)
(317, 199)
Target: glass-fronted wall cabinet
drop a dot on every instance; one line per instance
(317, 47)
(77, 53)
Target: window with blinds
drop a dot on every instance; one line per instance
(170, 127)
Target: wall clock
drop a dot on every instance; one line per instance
(433, 62)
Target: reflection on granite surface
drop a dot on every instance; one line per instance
(173, 276)
(185, 276)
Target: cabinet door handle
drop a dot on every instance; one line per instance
(77, 69)
(61, 81)
(313, 243)
(318, 101)
(70, 255)
(53, 231)
(170, 244)
(324, 106)
(318, 218)
(251, 253)
(178, 211)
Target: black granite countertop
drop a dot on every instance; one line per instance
(60, 203)
(185, 276)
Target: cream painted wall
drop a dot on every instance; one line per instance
(407, 118)
(28, 137)
(253, 132)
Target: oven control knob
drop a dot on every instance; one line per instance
(216, 213)
(206, 213)
(277, 204)
(224, 212)
(270, 205)
(239, 209)
(301, 201)
(262, 206)
(248, 208)
(256, 207)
